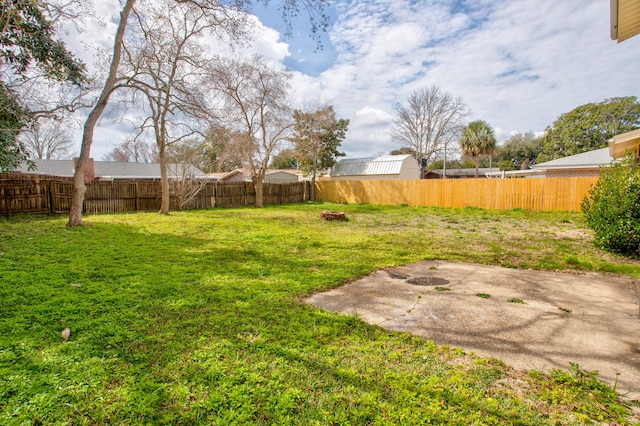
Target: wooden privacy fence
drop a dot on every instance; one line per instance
(529, 193)
(20, 193)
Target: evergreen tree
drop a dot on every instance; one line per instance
(27, 41)
(478, 140)
(589, 127)
(317, 138)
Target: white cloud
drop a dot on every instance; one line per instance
(267, 43)
(372, 117)
(96, 35)
(368, 132)
(517, 64)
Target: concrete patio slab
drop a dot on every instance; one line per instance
(585, 318)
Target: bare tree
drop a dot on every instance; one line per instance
(256, 104)
(429, 121)
(47, 139)
(186, 180)
(319, 19)
(110, 85)
(220, 151)
(133, 151)
(162, 60)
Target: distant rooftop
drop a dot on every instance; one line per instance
(382, 165)
(109, 169)
(591, 159)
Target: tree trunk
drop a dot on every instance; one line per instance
(312, 189)
(444, 164)
(79, 188)
(257, 184)
(477, 161)
(164, 182)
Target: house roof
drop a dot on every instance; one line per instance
(585, 160)
(111, 169)
(515, 173)
(222, 176)
(625, 143)
(625, 19)
(465, 172)
(62, 168)
(285, 171)
(247, 176)
(382, 165)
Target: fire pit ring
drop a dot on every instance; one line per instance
(427, 281)
(327, 215)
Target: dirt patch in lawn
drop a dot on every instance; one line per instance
(529, 319)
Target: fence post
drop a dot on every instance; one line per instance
(39, 193)
(50, 197)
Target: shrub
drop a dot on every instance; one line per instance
(612, 208)
(507, 165)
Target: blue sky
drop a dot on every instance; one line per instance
(307, 55)
(518, 64)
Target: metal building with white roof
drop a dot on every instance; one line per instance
(385, 167)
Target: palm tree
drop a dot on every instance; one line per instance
(478, 140)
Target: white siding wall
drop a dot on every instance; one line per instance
(280, 177)
(628, 19)
(410, 169)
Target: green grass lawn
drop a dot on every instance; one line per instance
(197, 318)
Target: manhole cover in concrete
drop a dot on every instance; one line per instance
(428, 281)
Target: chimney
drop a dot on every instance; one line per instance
(246, 171)
(89, 171)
